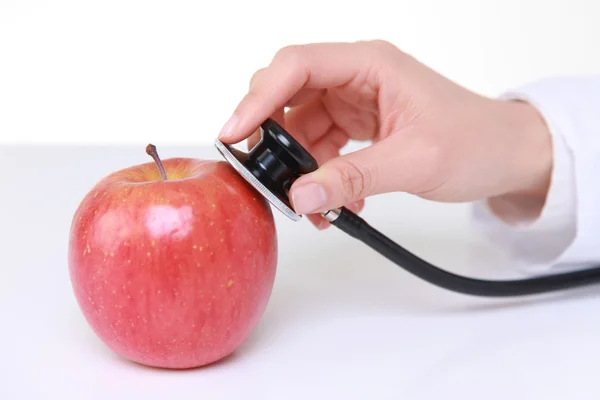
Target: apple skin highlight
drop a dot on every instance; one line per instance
(173, 273)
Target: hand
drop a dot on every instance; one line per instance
(431, 137)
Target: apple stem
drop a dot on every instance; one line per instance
(151, 151)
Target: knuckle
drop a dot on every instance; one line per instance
(381, 44)
(291, 54)
(387, 52)
(292, 59)
(255, 76)
(357, 181)
(383, 48)
(383, 55)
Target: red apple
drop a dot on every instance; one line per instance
(174, 272)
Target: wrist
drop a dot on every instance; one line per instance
(531, 163)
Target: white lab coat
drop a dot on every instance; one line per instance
(567, 234)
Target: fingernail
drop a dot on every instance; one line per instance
(229, 127)
(308, 198)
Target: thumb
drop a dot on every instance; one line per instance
(347, 179)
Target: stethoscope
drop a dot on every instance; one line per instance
(273, 164)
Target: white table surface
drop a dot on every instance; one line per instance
(342, 322)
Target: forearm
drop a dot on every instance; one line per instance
(531, 163)
(562, 225)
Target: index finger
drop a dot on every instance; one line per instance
(312, 66)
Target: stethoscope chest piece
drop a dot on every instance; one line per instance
(273, 165)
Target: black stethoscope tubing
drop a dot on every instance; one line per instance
(358, 228)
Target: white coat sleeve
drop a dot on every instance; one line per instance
(566, 236)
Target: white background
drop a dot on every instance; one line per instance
(172, 71)
(342, 322)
